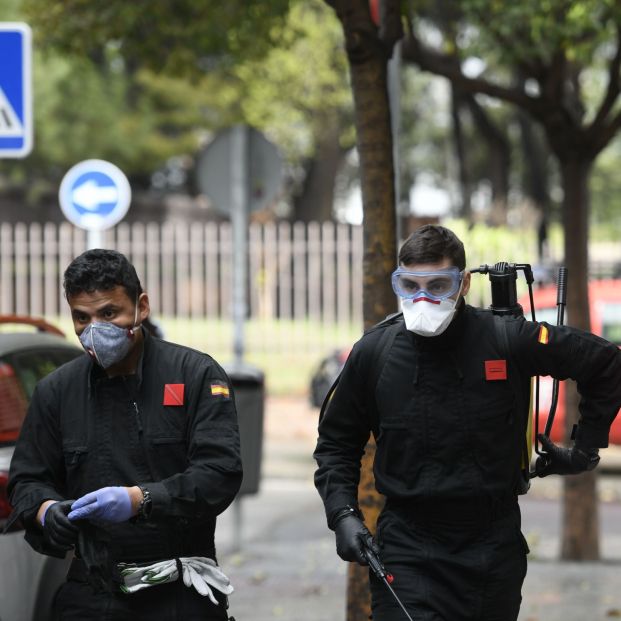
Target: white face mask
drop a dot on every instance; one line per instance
(428, 318)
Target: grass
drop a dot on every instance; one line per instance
(289, 351)
(286, 351)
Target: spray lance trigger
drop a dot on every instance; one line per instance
(380, 572)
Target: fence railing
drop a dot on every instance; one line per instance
(307, 276)
(304, 280)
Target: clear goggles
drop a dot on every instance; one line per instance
(432, 286)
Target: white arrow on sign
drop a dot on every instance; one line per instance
(10, 125)
(89, 195)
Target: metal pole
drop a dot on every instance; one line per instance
(237, 524)
(94, 239)
(239, 220)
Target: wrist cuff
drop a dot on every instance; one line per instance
(343, 513)
(146, 504)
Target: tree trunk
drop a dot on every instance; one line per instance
(580, 538)
(499, 159)
(368, 60)
(317, 199)
(535, 181)
(460, 153)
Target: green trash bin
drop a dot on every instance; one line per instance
(249, 388)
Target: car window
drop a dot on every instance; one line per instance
(13, 404)
(611, 321)
(33, 365)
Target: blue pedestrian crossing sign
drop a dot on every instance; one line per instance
(94, 195)
(15, 89)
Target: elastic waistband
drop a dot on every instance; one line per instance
(455, 510)
(78, 571)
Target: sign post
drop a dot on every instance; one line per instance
(94, 195)
(15, 90)
(241, 171)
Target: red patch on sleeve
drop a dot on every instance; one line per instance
(495, 370)
(173, 394)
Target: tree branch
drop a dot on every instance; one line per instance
(605, 134)
(614, 87)
(446, 65)
(553, 77)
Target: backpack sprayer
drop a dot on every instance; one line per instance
(503, 278)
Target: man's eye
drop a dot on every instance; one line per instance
(108, 314)
(410, 285)
(439, 286)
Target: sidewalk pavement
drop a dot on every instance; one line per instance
(285, 567)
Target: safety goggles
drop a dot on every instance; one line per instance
(433, 286)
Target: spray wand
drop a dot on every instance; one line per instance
(380, 572)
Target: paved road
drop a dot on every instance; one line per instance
(287, 568)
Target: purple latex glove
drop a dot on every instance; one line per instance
(110, 504)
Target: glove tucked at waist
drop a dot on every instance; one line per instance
(199, 572)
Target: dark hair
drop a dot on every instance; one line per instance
(432, 243)
(101, 270)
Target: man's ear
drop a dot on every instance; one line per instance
(466, 284)
(143, 307)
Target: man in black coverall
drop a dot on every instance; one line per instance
(450, 438)
(128, 454)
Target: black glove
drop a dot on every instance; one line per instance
(563, 460)
(57, 528)
(351, 536)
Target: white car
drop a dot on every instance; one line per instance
(28, 580)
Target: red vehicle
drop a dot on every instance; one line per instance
(28, 352)
(605, 310)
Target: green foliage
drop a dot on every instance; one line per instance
(300, 88)
(82, 111)
(605, 184)
(537, 29)
(552, 54)
(180, 36)
(137, 83)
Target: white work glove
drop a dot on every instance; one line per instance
(198, 571)
(137, 578)
(201, 573)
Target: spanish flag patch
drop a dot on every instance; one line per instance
(543, 335)
(219, 389)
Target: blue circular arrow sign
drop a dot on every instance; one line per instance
(94, 195)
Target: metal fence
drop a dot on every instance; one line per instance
(297, 273)
(304, 280)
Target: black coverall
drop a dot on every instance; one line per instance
(85, 431)
(450, 434)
